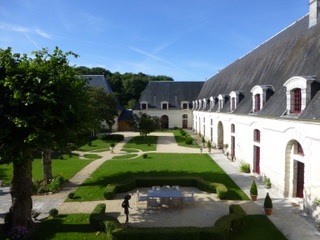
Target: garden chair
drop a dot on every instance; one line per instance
(189, 199)
(140, 198)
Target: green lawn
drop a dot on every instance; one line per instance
(181, 140)
(71, 227)
(66, 167)
(259, 227)
(156, 164)
(97, 145)
(148, 143)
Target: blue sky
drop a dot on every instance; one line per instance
(188, 40)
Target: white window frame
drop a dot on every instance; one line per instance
(303, 83)
(235, 95)
(165, 103)
(185, 102)
(221, 99)
(262, 90)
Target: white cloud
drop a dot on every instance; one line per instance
(43, 34)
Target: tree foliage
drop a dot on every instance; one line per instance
(127, 87)
(42, 105)
(145, 123)
(104, 105)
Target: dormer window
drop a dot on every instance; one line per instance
(200, 104)
(144, 106)
(185, 105)
(298, 93)
(211, 103)
(164, 105)
(260, 95)
(204, 103)
(234, 100)
(221, 101)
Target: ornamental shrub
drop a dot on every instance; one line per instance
(53, 212)
(253, 188)
(71, 195)
(189, 140)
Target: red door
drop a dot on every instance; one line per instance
(300, 179)
(256, 159)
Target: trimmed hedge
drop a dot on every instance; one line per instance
(98, 216)
(113, 137)
(125, 186)
(221, 230)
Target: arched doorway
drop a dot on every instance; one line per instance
(220, 135)
(294, 170)
(164, 122)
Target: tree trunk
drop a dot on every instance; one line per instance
(21, 191)
(46, 165)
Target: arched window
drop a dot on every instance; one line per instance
(256, 135)
(299, 149)
(299, 93)
(233, 128)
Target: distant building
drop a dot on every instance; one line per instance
(101, 82)
(170, 101)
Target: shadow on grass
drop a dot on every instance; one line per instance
(65, 227)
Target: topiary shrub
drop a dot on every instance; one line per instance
(71, 195)
(189, 140)
(53, 212)
(97, 217)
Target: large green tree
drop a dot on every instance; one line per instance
(42, 105)
(145, 123)
(104, 105)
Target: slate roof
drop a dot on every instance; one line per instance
(98, 81)
(172, 92)
(101, 81)
(293, 52)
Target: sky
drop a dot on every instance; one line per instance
(188, 40)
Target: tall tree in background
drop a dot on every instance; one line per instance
(42, 104)
(104, 105)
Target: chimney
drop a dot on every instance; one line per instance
(314, 12)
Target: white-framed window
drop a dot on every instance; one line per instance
(260, 95)
(200, 104)
(221, 100)
(234, 100)
(211, 103)
(185, 105)
(165, 105)
(143, 105)
(298, 93)
(204, 103)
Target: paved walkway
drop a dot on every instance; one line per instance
(287, 215)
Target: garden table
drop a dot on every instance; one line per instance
(171, 197)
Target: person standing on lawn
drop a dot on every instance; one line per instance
(126, 206)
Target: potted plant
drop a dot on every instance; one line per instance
(267, 205)
(253, 191)
(245, 167)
